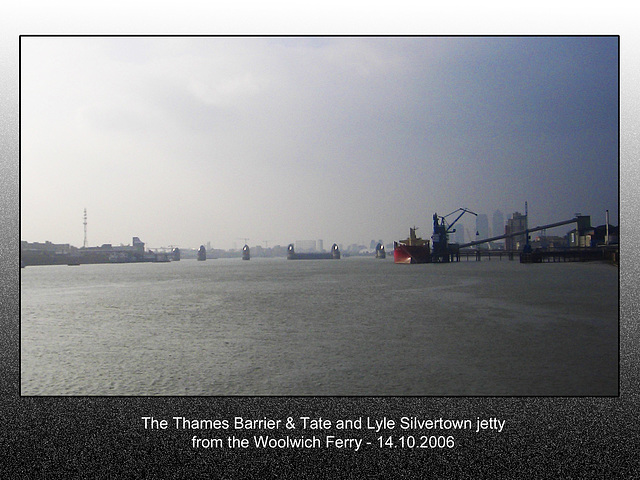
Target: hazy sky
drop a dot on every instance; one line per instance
(186, 140)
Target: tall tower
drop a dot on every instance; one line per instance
(498, 223)
(85, 228)
(482, 226)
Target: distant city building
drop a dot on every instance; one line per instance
(305, 246)
(137, 244)
(482, 226)
(459, 235)
(59, 254)
(320, 245)
(517, 223)
(497, 224)
(46, 247)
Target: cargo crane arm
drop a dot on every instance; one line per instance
(462, 212)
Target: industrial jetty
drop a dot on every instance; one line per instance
(417, 250)
(584, 243)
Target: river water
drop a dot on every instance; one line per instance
(349, 327)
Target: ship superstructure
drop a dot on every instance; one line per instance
(412, 250)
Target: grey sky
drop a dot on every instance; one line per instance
(181, 141)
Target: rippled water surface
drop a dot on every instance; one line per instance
(357, 326)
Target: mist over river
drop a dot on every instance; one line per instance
(350, 327)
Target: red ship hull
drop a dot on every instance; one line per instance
(411, 253)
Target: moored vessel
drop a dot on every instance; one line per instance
(412, 250)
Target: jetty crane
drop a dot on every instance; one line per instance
(442, 250)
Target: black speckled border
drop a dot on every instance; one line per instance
(100, 437)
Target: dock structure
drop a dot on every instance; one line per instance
(478, 255)
(581, 221)
(571, 255)
(578, 220)
(560, 255)
(582, 253)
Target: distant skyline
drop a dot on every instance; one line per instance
(188, 140)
